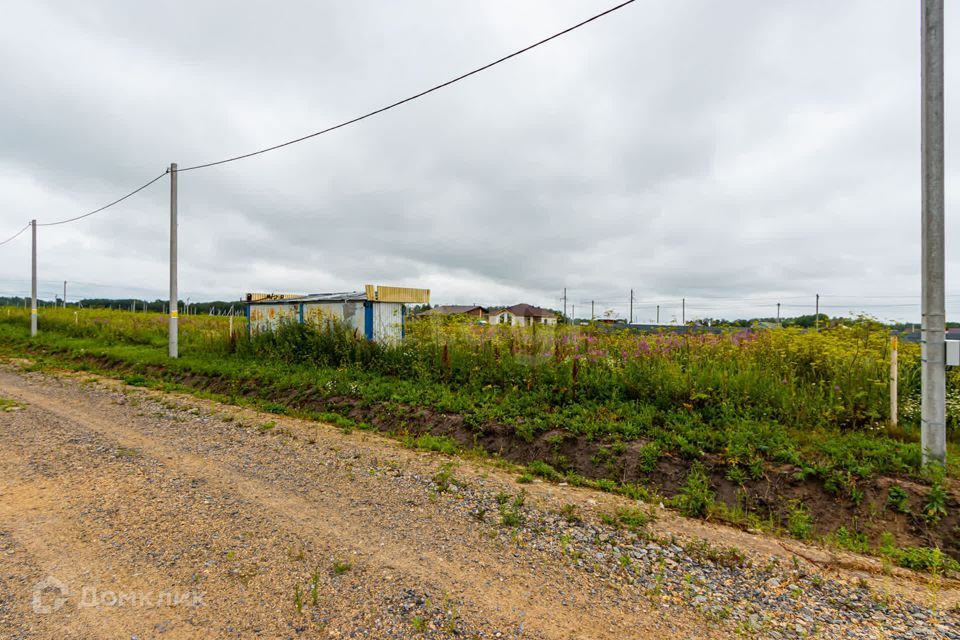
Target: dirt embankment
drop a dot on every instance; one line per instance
(773, 496)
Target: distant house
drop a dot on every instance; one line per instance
(456, 310)
(611, 321)
(522, 315)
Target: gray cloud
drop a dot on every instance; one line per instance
(732, 153)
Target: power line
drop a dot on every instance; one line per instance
(106, 206)
(15, 235)
(413, 97)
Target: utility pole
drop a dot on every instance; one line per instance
(816, 316)
(683, 311)
(33, 281)
(592, 316)
(631, 306)
(64, 294)
(658, 314)
(564, 303)
(932, 346)
(778, 313)
(172, 345)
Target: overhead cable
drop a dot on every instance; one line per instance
(11, 238)
(106, 206)
(411, 98)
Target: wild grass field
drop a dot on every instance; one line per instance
(779, 429)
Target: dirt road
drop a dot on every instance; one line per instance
(126, 513)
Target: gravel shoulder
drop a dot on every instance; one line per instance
(158, 515)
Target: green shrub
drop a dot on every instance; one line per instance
(799, 521)
(543, 470)
(695, 496)
(935, 507)
(898, 499)
(917, 558)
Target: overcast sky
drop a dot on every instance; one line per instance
(736, 154)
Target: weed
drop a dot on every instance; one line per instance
(601, 456)
(135, 381)
(273, 407)
(648, 456)
(659, 577)
(296, 553)
(799, 521)
(9, 405)
(898, 499)
(935, 507)
(264, 427)
(917, 558)
(443, 478)
(850, 540)
(511, 514)
(570, 513)
(543, 470)
(737, 475)
(609, 520)
(632, 518)
(340, 567)
(729, 557)
(298, 598)
(695, 495)
(429, 442)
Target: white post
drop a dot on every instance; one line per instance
(893, 381)
(173, 345)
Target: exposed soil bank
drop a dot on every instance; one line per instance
(773, 496)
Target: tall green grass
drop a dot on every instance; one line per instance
(817, 400)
